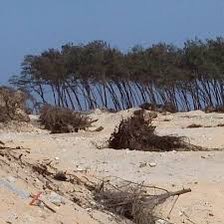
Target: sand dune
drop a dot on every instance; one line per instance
(203, 172)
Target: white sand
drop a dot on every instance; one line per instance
(203, 172)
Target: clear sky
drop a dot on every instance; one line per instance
(30, 26)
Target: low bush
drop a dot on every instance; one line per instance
(147, 115)
(217, 109)
(12, 105)
(137, 133)
(167, 107)
(63, 120)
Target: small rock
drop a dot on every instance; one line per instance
(12, 217)
(11, 179)
(56, 199)
(37, 180)
(161, 221)
(88, 209)
(153, 164)
(80, 169)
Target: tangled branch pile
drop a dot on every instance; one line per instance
(137, 133)
(12, 105)
(63, 120)
(133, 201)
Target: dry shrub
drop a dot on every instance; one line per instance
(148, 116)
(12, 105)
(137, 133)
(133, 201)
(63, 120)
(194, 126)
(217, 109)
(167, 107)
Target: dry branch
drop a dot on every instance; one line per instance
(132, 200)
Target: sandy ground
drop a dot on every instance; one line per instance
(203, 172)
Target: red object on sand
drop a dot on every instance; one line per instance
(35, 198)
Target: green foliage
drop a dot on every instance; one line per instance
(92, 75)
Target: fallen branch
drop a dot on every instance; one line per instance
(133, 200)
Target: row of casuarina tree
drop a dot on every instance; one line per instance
(96, 75)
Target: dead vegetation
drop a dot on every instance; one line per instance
(138, 133)
(167, 120)
(212, 109)
(147, 115)
(194, 126)
(122, 198)
(205, 126)
(167, 107)
(12, 105)
(133, 201)
(63, 120)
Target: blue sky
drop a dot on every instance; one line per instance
(30, 26)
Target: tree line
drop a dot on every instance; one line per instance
(96, 75)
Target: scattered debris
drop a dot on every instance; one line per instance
(144, 164)
(98, 129)
(194, 126)
(125, 199)
(60, 176)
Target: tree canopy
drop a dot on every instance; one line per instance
(87, 76)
